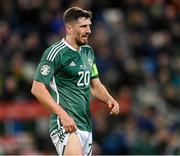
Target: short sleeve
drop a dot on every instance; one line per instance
(47, 68)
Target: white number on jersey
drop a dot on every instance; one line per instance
(84, 78)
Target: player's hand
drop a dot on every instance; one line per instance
(68, 123)
(114, 106)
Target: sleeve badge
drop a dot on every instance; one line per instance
(45, 69)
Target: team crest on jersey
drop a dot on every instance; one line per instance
(90, 62)
(45, 69)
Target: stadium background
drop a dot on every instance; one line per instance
(137, 45)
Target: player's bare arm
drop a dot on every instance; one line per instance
(99, 91)
(40, 91)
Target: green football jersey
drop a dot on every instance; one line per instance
(67, 74)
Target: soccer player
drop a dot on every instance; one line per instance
(63, 80)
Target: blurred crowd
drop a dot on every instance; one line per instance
(137, 47)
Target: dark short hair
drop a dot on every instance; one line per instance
(74, 13)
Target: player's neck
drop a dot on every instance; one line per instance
(71, 42)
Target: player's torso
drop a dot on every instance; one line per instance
(72, 80)
(76, 68)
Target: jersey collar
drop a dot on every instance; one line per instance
(68, 45)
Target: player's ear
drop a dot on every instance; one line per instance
(68, 28)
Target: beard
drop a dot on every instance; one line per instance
(82, 41)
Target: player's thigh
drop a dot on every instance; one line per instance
(73, 146)
(86, 140)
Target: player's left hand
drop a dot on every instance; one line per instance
(114, 106)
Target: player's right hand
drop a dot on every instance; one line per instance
(68, 123)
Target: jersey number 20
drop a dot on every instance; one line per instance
(84, 78)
